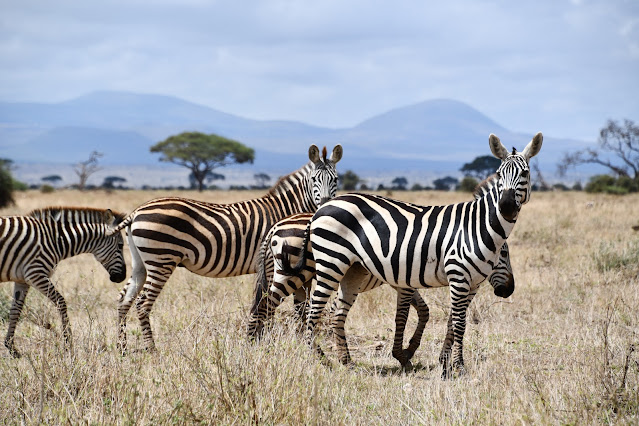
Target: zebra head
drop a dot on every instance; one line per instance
(323, 179)
(109, 249)
(502, 278)
(514, 174)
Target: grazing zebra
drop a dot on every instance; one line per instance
(412, 246)
(272, 287)
(212, 240)
(31, 247)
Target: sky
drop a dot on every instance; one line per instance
(563, 67)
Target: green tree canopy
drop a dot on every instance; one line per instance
(202, 153)
(446, 183)
(399, 183)
(52, 178)
(481, 167)
(349, 180)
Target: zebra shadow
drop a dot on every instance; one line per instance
(397, 370)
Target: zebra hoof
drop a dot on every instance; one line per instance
(14, 354)
(407, 367)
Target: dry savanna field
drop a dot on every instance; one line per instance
(564, 348)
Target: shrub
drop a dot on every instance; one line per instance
(47, 189)
(6, 188)
(611, 257)
(610, 185)
(468, 184)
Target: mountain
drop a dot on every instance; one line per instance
(436, 135)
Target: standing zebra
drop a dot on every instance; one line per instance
(412, 246)
(272, 287)
(212, 240)
(31, 247)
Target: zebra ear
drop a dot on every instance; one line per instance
(108, 216)
(314, 154)
(337, 153)
(533, 147)
(497, 148)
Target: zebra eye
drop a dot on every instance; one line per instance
(525, 173)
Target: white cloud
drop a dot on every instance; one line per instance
(560, 67)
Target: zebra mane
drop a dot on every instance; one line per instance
(75, 214)
(485, 186)
(280, 186)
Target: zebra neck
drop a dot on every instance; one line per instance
(71, 239)
(499, 228)
(292, 194)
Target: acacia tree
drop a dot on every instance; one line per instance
(399, 183)
(53, 179)
(618, 150)
(261, 179)
(210, 177)
(85, 169)
(481, 167)
(202, 153)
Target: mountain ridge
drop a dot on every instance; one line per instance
(123, 125)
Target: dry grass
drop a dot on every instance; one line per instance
(560, 350)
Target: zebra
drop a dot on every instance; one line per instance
(212, 240)
(412, 246)
(272, 287)
(31, 246)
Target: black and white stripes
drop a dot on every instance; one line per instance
(213, 240)
(31, 246)
(412, 246)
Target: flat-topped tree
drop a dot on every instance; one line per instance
(202, 153)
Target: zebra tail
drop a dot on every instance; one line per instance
(261, 283)
(289, 270)
(126, 221)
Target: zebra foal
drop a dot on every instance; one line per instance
(31, 247)
(412, 246)
(212, 240)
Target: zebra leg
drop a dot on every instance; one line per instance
(129, 293)
(144, 304)
(282, 287)
(44, 285)
(20, 291)
(323, 289)
(300, 302)
(339, 312)
(423, 314)
(453, 344)
(404, 297)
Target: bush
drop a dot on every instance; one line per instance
(610, 185)
(47, 189)
(6, 188)
(468, 184)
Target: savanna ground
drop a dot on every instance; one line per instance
(563, 349)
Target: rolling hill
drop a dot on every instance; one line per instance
(437, 136)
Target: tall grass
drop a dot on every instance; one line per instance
(562, 349)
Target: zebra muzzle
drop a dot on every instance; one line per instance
(505, 290)
(117, 277)
(508, 204)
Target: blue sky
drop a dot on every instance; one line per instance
(561, 67)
